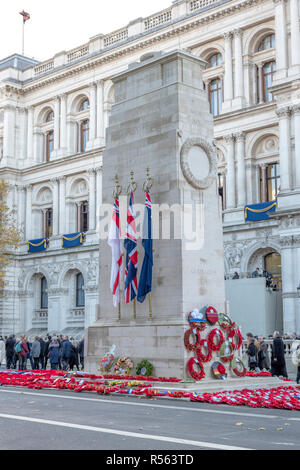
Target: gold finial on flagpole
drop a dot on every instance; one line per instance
(132, 186)
(148, 183)
(117, 189)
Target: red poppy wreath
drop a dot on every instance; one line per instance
(211, 339)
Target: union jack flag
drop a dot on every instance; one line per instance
(25, 15)
(130, 244)
(114, 241)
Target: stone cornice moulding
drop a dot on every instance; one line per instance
(224, 10)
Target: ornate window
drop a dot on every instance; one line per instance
(50, 116)
(49, 144)
(215, 60)
(85, 104)
(215, 96)
(268, 72)
(84, 134)
(267, 43)
(270, 182)
(80, 297)
(48, 223)
(44, 293)
(83, 217)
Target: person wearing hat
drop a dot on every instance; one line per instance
(54, 353)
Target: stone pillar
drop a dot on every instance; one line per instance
(228, 78)
(62, 205)
(56, 127)
(21, 209)
(30, 124)
(230, 177)
(285, 148)
(295, 37)
(241, 168)
(92, 198)
(63, 125)
(9, 124)
(239, 70)
(38, 145)
(281, 39)
(92, 125)
(288, 284)
(100, 139)
(263, 182)
(296, 115)
(28, 224)
(55, 193)
(21, 150)
(260, 83)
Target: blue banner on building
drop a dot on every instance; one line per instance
(73, 239)
(36, 246)
(261, 211)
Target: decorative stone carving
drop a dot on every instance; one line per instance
(287, 242)
(193, 152)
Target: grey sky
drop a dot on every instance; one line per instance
(59, 25)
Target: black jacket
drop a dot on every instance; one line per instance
(81, 348)
(10, 346)
(278, 352)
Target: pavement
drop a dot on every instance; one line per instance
(62, 420)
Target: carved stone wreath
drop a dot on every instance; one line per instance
(210, 152)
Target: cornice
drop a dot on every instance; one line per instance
(179, 26)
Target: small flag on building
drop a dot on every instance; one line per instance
(25, 15)
(114, 241)
(131, 256)
(145, 283)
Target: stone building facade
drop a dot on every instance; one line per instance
(53, 117)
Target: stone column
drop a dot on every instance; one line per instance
(281, 39)
(92, 125)
(30, 125)
(285, 148)
(55, 193)
(230, 177)
(228, 78)
(28, 228)
(263, 182)
(295, 36)
(38, 145)
(296, 115)
(21, 209)
(56, 127)
(9, 124)
(241, 168)
(62, 205)
(239, 71)
(63, 125)
(92, 198)
(100, 115)
(260, 83)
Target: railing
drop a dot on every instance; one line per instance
(269, 342)
(115, 37)
(76, 315)
(157, 20)
(77, 53)
(43, 68)
(198, 4)
(40, 316)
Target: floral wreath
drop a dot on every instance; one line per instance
(196, 320)
(123, 366)
(236, 366)
(200, 356)
(211, 337)
(195, 375)
(144, 368)
(230, 357)
(107, 362)
(225, 322)
(233, 333)
(187, 343)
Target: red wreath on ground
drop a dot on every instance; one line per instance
(187, 343)
(200, 356)
(233, 333)
(211, 337)
(195, 375)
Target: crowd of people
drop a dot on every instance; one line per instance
(59, 352)
(259, 358)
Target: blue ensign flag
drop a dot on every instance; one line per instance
(145, 283)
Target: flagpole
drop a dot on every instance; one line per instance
(147, 186)
(23, 37)
(130, 191)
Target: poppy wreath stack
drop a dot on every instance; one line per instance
(225, 343)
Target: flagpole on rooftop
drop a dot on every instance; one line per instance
(23, 36)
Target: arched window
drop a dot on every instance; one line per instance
(80, 297)
(49, 144)
(85, 104)
(267, 43)
(84, 134)
(269, 70)
(272, 265)
(50, 116)
(215, 96)
(44, 293)
(215, 60)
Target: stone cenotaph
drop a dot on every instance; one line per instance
(161, 121)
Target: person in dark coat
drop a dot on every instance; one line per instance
(263, 355)
(42, 355)
(10, 351)
(73, 361)
(23, 354)
(81, 352)
(36, 352)
(66, 352)
(278, 365)
(54, 353)
(252, 353)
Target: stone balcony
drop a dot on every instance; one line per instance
(76, 316)
(40, 319)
